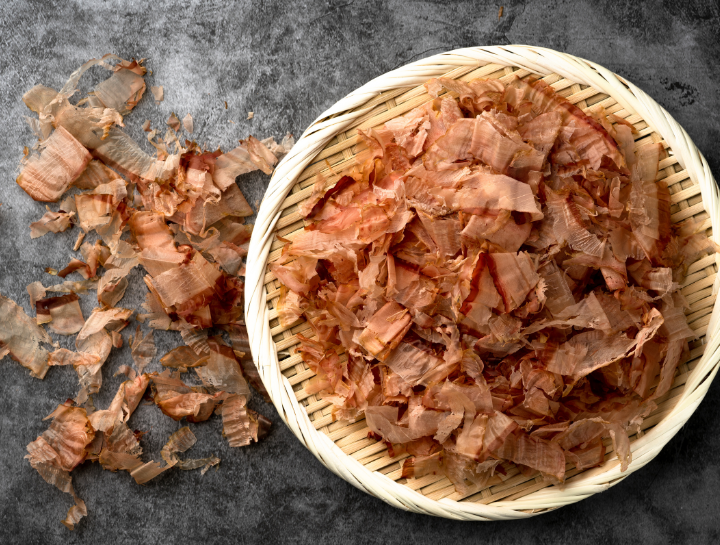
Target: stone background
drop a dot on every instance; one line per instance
(288, 61)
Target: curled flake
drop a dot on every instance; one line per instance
(151, 231)
(123, 90)
(241, 425)
(99, 345)
(231, 203)
(94, 175)
(63, 356)
(51, 222)
(75, 514)
(61, 161)
(36, 292)
(95, 209)
(180, 441)
(63, 445)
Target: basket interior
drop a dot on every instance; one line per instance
(338, 156)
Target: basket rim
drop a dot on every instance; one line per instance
(338, 117)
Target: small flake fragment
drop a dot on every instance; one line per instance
(63, 313)
(173, 122)
(158, 93)
(188, 123)
(495, 281)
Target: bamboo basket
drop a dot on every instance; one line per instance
(329, 146)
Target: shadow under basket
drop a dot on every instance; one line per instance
(329, 146)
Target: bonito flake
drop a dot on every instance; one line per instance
(178, 215)
(500, 274)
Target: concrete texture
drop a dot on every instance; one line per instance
(287, 61)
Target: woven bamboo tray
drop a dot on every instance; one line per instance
(329, 146)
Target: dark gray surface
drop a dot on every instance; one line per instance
(288, 61)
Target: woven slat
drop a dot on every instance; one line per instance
(329, 146)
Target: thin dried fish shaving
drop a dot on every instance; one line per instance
(222, 371)
(51, 222)
(476, 285)
(20, 338)
(81, 286)
(241, 425)
(178, 400)
(61, 448)
(181, 441)
(175, 186)
(97, 344)
(124, 89)
(183, 357)
(45, 177)
(110, 319)
(143, 349)
(158, 93)
(188, 123)
(249, 156)
(63, 313)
